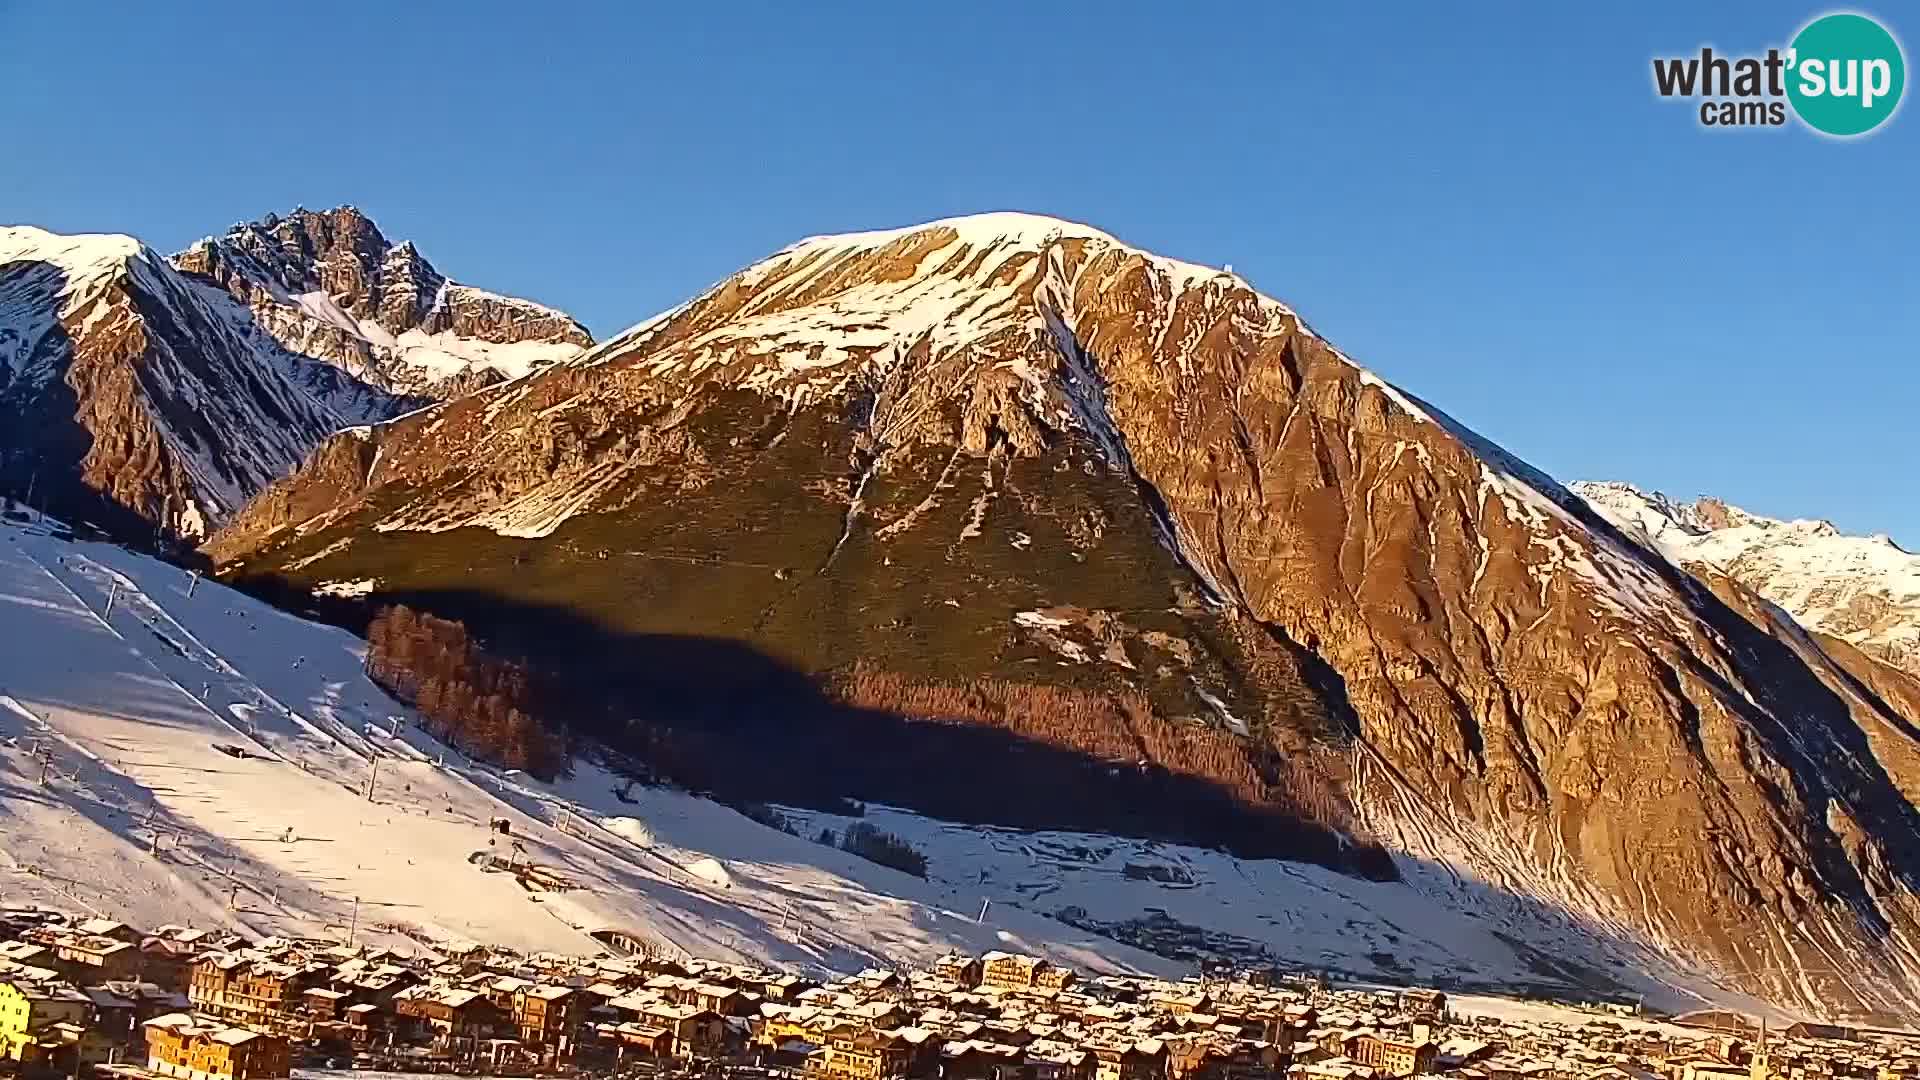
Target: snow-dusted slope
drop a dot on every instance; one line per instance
(330, 286)
(153, 395)
(1862, 589)
(1438, 926)
(144, 814)
(126, 688)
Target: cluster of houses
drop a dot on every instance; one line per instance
(186, 1003)
(78, 992)
(1003, 1017)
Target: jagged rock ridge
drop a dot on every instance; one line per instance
(331, 286)
(1016, 445)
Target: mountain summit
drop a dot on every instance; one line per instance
(140, 391)
(331, 286)
(950, 468)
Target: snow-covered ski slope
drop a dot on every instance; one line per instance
(121, 794)
(1437, 926)
(145, 814)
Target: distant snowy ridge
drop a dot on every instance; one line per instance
(1862, 589)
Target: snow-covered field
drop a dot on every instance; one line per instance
(194, 755)
(1435, 927)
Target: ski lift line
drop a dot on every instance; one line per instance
(334, 731)
(111, 629)
(219, 665)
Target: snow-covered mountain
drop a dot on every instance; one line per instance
(1862, 589)
(1010, 451)
(131, 395)
(141, 391)
(329, 285)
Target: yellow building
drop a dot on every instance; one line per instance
(1010, 971)
(180, 1046)
(1049, 977)
(1394, 1057)
(960, 968)
(696, 1032)
(28, 1012)
(783, 1024)
(861, 1054)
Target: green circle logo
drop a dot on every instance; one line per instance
(1845, 73)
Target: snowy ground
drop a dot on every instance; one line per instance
(121, 794)
(134, 719)
(1433, 928)
(1509, 1010)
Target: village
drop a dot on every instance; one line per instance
(96, 997)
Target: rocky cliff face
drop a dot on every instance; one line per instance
(330, 286)
(1016, 446)
(1864, 590)
(132, 398)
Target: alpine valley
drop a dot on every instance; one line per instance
(1097, 576)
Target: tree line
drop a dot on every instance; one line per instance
(720, 719)
(876, 845)
(482, 705)
(1121, 728)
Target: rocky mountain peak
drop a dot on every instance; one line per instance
(831, 314)
(330, 285)
(130, 396)
(339, 252)
(1015, 229)
(158, 395)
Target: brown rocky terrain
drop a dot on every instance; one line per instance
(1015, 448)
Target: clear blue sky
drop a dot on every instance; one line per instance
(1492, 209)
